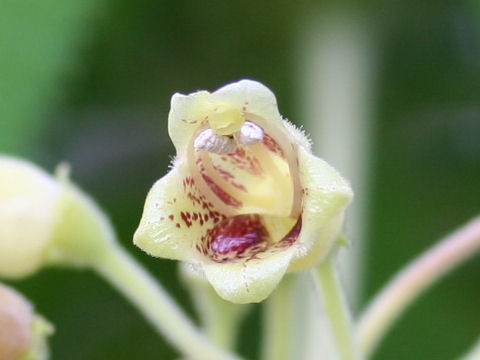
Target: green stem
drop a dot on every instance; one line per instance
(219, 317)
(414, 279)
(84, 237)
(276, 323)
(126, 275)
(336, 309)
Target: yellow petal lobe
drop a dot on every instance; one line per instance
(226, 119)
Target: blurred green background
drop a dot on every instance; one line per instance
(89, 82)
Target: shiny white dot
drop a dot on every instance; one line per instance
(250, 133)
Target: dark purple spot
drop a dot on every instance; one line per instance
(234, 236)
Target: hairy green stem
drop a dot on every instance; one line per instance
(277, 323)
(131, 279)
(413, 280)
(84, 237)
(336, 309)
(219, 317)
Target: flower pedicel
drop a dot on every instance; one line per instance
(245, 200)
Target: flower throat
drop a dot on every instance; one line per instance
(251, 177)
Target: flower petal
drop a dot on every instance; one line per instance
(311, 255)
(326, 195)
(252, 280)
(186, 114)
(175, 217)
(251, 97)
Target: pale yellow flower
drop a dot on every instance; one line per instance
(245, 200)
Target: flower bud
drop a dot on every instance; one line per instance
(22, 333)
(15, 319)
(46, 221)
(28, 200)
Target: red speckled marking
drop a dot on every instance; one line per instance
(203, 209)
(243, 236)
(226, 175)
(217, 190)
(243, 160)
(272, 145)
(192, 122)
(236, 237)
(222, 195)
(292, 236)
(186, 218)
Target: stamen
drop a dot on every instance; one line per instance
(210, 141)
(250, 133)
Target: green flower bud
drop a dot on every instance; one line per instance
(46, 220)
(28, 201)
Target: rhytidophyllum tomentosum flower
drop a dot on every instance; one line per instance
(245, 200)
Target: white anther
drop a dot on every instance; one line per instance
(210, 141)
(250, 133)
